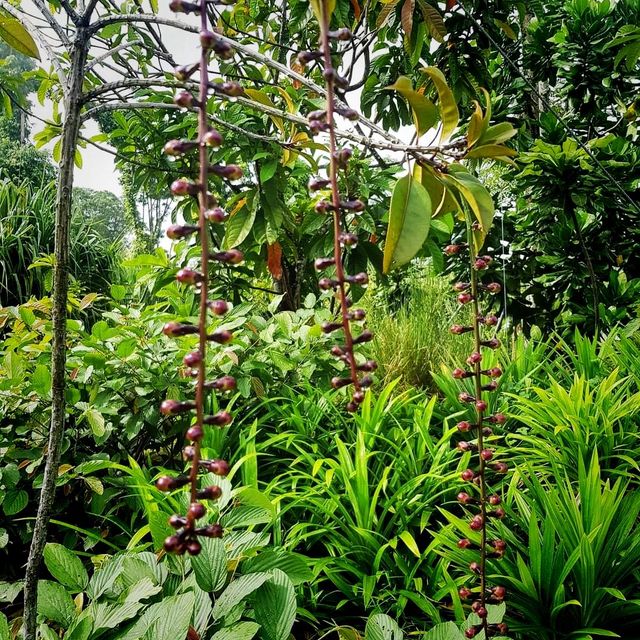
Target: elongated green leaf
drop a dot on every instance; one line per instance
(491, 151)
(497, 133)
(81, 629)
(274, 606)
(237, 591)
(210, 565)
(54, 603)
(17, 37)
(478, 198)
(294, 565)
(65, 567)
(239, 225)
(433, 20)
(409, 220)
(425, 114)
(446, 102)
(381, 627)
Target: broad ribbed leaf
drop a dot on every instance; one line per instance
(274, 606)
(65, 567)
(81, 630)
(4, 628)
(103, 579)
(294, 565)
(210, 565)
(17, 37)
(409, 220)
(237, 591)
(110, 616)
(54, 603)
(173, 624)
(239, 631)
(445, 631)
(446, 102)
(381, 627)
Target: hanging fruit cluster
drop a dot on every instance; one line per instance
(187, 526)
(482, 505)
(340, 209)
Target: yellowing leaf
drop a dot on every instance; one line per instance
(424, 111)
(386, 11)
(446, 102)
(491, 151)
(475, 125)
(319, 6)
(409, 221)
(442, 201)
(16, 36)
(264, 99)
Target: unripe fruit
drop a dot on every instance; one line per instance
(338, 383)
(465, 397)
(189, 276)
(356, 206)
(470, 632)
(464, 426)
(369, 365)
(225, 383)
(323, 263)
(180, 6)
(366, 382)
(498, 513)
(494, 343)
(482, 613)
(358, 397)
(500, 467)
(460, 286)
(357, 315)
(229, 171)
(167, 483)
(495, 500)
(327, 283)
(218, 467)
(221, 336)
(196, 510)
(195, 433)
(459, 374)
(458, 329)
(495, 372)
(174, 407)
(175, 329)
(193, 547)
(216, 215)
(171, 543)
(322, 206)
(500, 418)
(183, 99)
(351, 407)
(452, 249)
(177, 521)
(178, 147)
(464, 543)
(465, 593)
(499, 545)
(207, 39)
(474, 358)
(467, 475)
(232, 256)
(182, 187)
(192, 359)
(348, 239)
(499, 593)
(476, 523)
(486, 454)
(365, 336)
(463, 446)
(210, 493)
(474, 567)
(328, 327)
(320, 115)
(491, 321)
(220, 419)
(315, 184)
(212, 138)
(211, 531)
(218, 307)
(359, 278)
(464, 498)
(177, 231)
(494, 287)
(480, 264)
(465, 298)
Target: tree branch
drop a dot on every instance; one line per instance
(108, 54)
(36, 34)
(48, 16)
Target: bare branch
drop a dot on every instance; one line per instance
(71, 12)
(53, 23)
(108, 54)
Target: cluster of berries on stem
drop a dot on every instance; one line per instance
(481, 504)
(324, 121)
(188, 528)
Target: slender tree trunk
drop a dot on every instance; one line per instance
(70, 130)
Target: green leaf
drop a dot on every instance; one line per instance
(490, 151)
(497, 133)
(408, 539)
(293, 564)
(16, 36)
(478, 198)
(54, 603)
(239, 225)
(239, 631)
(109, 616)
(445, 631)
(41, 380)
(118, 292)
(446, 102)
(425, 114)
(274, 606)
(237, 591)
(409, 220)
(81, 630)
(15, 501)
(210, 565)
(65, 567)
(381, 627)
(175, 618)
(4, 628)
(96, 422)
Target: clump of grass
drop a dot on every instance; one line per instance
(411, 326)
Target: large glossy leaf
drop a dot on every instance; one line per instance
(54, 603)
(65, 567)
(274, 606)
(497, 133)
(491, 151)
(446, 102)
(424, 111)
(175, 618)
(240, 223)
(17, 37)
(239, 631)
(409, 220)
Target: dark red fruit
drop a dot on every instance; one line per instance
(196, 510)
